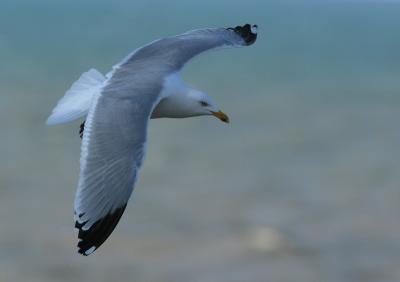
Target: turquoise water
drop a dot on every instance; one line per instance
(301, 186)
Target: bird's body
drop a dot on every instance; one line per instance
(118, 106)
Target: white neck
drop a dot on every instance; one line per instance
(176, 101)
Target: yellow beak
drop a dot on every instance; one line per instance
(223, 117)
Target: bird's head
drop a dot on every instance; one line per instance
(202, 105)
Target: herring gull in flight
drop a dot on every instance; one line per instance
(118, 106)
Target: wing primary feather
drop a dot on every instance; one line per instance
(94, 237)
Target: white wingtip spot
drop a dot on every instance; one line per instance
(254, 29)
(91, 250)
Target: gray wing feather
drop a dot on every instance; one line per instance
(113, 144)
(173, 52)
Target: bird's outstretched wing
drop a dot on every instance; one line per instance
(113, 147)
(113, 144)
(173, 52)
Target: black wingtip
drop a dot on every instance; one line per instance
(92, 238)
(247, 32)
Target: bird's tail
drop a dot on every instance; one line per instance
(77, 99)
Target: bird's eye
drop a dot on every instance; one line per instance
(204, 104)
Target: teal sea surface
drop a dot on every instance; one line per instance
(303, 185)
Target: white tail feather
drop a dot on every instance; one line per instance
(77, 99)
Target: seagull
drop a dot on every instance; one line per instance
(117, 108)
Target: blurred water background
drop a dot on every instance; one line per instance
(303, 185)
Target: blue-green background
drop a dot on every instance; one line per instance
(303, 185)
